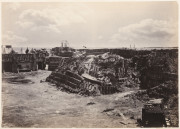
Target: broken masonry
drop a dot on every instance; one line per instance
(90, 75)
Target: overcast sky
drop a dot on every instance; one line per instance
(103, 24)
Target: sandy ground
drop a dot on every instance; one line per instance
(29, 103)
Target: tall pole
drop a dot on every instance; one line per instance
(4, 51)
(21, 51)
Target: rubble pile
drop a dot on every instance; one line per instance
(91, 75)
(112, 66)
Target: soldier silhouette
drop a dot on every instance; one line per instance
(27, 50)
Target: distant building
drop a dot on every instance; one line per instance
(63, 51)
(6, 49)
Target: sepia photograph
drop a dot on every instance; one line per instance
(99, 64)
